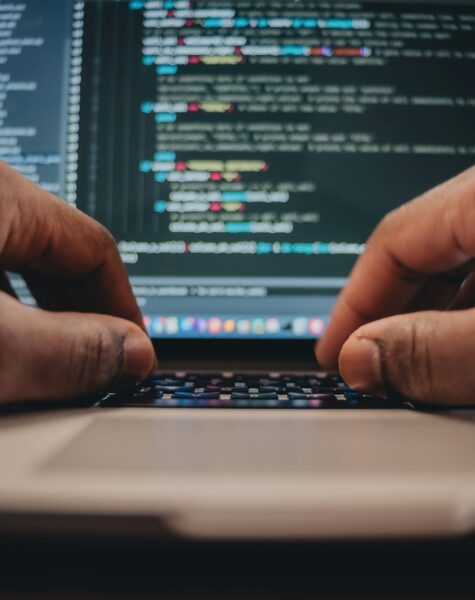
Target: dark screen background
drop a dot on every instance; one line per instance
(352, 189)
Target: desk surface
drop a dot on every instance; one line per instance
(67, 568)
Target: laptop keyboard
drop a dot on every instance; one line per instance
(230, 390)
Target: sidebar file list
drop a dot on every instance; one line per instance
(33, 72)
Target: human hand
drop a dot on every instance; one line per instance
(70, 263)
(390, 331)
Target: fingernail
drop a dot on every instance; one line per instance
(360, 365)
(139, 357)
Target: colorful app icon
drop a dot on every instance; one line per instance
(215, 325)
(286, 325)
(201, 325)
(243, 326)
(272, 326)
(258, 326)
(229, 326)
(171, 326)
(158, 325)
(187, 324)
(147, 321)
(316, 326)
(300, 326)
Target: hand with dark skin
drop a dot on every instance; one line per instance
(405, 323)
(88, 332)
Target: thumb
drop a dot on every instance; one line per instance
(46, 356)
(425, 356)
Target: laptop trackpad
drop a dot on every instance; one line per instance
(188, 443)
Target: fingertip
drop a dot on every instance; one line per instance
(343, 322)
(139, 356)
(360, 365)
(326, 357)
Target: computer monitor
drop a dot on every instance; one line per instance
(240, 151)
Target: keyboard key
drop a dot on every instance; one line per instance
(321, 397)
(201, 396)
(297, 396)
(170, 389)
(258, 396)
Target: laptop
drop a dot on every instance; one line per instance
(241, 154)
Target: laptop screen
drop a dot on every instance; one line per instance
(240, 152)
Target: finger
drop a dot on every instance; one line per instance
(44, 234)
(441, 291)
(427, 357)
(50, 293)
(437, 294)
(59, 355)
(465, 297)
(430, 235)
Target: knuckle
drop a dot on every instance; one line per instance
(99, 237)
(386, 226)
(109, 247)
(105, 237)
(95, 358)
(409, 365)
(387, 222)
(392, 221)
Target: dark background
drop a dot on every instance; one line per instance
(59, 567)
